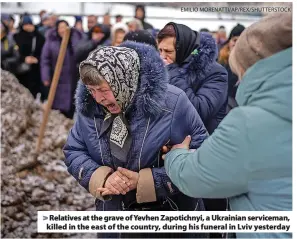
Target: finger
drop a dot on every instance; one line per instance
(107, 192)
(117, 186)
(126, 172)
(104, 191)
(122, 185)
(111, 188)
(163, 156)
(100, 190)
(165, 149)
(187, 141)
(124, 178)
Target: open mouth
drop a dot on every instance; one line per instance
(111, 107)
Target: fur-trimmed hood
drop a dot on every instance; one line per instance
(207, 53)
(150, 94)
(199, 62)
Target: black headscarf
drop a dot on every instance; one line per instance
(187, 41)
(143, 9)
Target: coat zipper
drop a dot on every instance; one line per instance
(148, 124)
(99, 142)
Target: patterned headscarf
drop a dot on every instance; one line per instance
(120, 67)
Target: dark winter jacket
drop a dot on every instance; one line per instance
(160, 113)
(232, 82)
(67, 81)
(204, 81)
(9, 53)
(44, 30)
(24, 40)
(232, 88)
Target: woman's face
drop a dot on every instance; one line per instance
(119, 37)
(79, 26)
(167, 50)
(104, 96)
(29, 27)
(62, 28)
(139, 13)
(132, 26)
(232, 42)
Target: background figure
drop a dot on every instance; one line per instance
(41, 14)
(5, 18)
(135, 25)
(11, 27)
(118, 31)
(119, 18)
(78, 25)
(221, 37)
(204, 30)
(9, 50)
(67, 83)
(46, 24)
(224, 60)
(140, 14)
(53, 19)
(142, 36)
(97, 36)
(30, 43)
(214, 34)
(92, 21)
(106, 20)
(193, 68)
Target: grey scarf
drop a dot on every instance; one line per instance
(119, 66)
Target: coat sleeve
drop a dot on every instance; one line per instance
(17, 40)
(211, 96)
(79, 163)
(154, 183)
(45, 62)
(39, 46)
(217, 169)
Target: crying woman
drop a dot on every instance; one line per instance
(126, 112)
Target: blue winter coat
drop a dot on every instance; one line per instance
(160, 113)
(205, 82)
